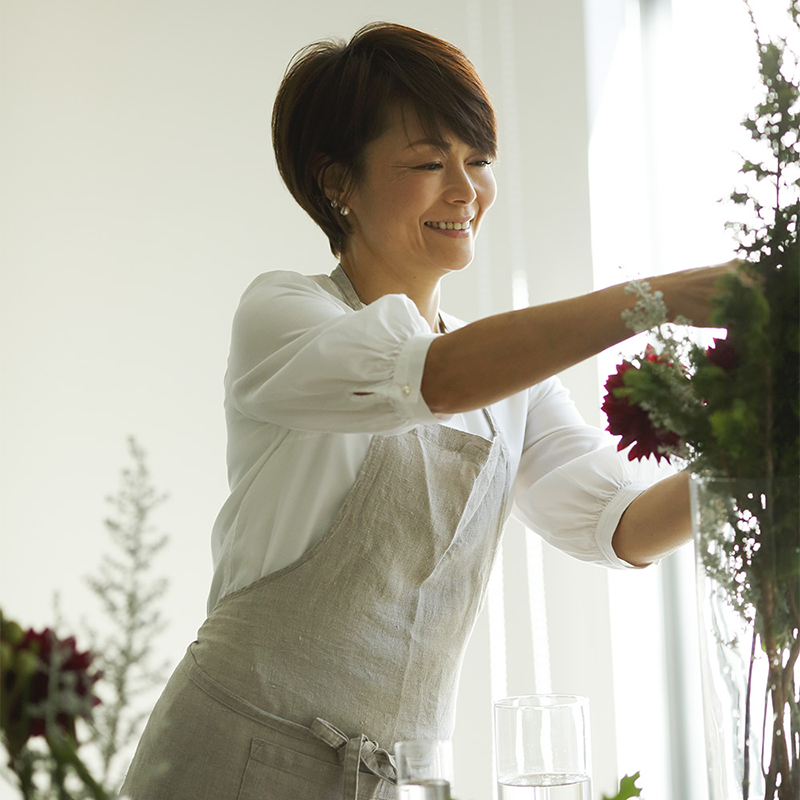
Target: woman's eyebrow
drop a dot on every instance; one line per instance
(439, 144)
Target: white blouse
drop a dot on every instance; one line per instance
(310, 380)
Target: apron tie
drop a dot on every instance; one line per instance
(353, 752)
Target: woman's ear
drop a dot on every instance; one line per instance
(333, 179)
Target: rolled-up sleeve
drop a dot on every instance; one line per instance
(302, 359)
(573, 486)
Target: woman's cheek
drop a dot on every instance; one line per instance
(490, 191)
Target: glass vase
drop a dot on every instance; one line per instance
(747, 543)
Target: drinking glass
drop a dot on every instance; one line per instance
(542, 747)
(424, 769)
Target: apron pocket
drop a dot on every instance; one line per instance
(273, 771)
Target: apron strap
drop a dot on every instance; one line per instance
(339, 277)
(353, 752)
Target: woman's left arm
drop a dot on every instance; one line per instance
(572, 485)
(656, 523)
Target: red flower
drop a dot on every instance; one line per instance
(48, 678)
(632, 422)
(722, 354)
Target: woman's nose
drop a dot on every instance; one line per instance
(460, 188)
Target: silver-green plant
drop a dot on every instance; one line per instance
(130, 596)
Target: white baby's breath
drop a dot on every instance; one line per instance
(650, 310)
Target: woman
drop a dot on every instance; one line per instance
(377, 445)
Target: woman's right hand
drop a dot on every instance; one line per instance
(689, 294)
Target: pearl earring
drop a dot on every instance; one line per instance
(343, 210)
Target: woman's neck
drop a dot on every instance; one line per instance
(372, 283)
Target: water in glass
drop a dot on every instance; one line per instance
(425, 790)
(546, 787)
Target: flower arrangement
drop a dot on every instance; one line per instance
(732, 411)
(47, 687)
(68, 716)
(732, 408)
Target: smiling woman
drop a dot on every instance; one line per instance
(377, 446)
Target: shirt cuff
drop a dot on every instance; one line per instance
(609, 519)
(406, 388)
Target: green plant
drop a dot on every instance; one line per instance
(732, 410)
(627, 788)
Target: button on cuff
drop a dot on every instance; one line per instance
(407, 380)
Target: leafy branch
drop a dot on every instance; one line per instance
(129, 596)
(57, 700)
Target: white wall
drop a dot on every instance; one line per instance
(139, 198)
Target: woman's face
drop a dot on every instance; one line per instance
(419, 203)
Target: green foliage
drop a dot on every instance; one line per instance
(627, 788)
(734, 409)
(741, 419)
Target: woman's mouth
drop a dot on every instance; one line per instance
(464, 225)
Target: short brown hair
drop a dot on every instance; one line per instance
(334, 97)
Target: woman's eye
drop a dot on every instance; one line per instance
(483, 162)
(430, 167)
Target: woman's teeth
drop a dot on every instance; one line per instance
(450, 226)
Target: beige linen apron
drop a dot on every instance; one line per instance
(298, 684)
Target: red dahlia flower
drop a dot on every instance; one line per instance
(722, 354)
(632, 422)
(47, 678)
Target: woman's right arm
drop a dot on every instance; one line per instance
(495, 357)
